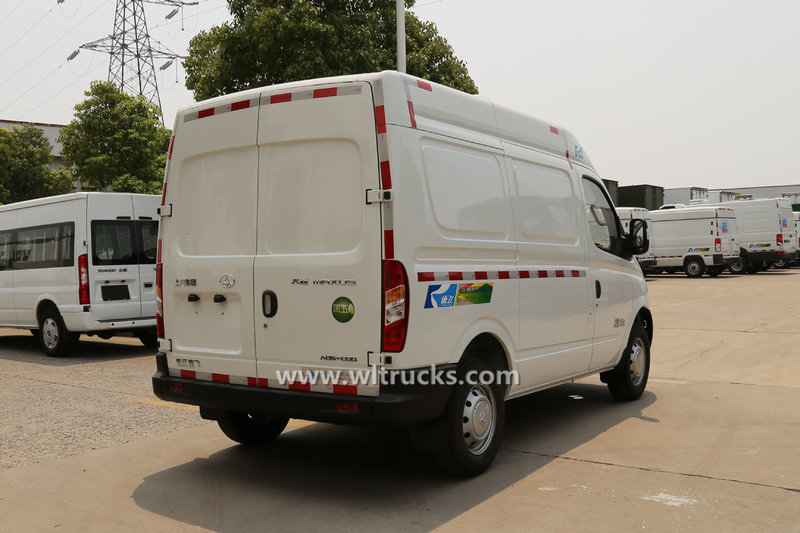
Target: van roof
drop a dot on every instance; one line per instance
(64, 198)
(699, 212)
(412, 102)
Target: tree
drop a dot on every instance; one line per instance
(275, 41)
(116, 141)
(25, 173)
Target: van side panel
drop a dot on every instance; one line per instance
(209, 244)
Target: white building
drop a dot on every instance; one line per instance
(51, 132)
(686, 195)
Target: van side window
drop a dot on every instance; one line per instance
(42, 247)
(5, 250)
(600, 217)
(148, 234)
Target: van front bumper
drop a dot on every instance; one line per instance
(397, 405)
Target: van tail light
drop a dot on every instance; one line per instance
(395, 306)
(779, 238)
(717, 245)
(159, 299)
(83, 278)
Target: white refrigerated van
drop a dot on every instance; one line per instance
(380, 249)
(79, 263)
(696, 240)
(765, 234)
(626, 214)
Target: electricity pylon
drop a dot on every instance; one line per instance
(131, 65)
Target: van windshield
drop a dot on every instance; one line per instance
(124, 242)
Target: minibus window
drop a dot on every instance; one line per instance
(600, 217)
(5, 249)
(148, 235)
(112, 242)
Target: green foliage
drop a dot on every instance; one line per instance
(275, 41)
(25, 171)
(116, 141)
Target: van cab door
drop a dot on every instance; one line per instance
(317, 282)
(146, 235)
(611, 276)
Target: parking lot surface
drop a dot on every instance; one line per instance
(711, 446)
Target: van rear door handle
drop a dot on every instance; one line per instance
(597, 290)
(219, 298)
(193, 298)
(269, 304)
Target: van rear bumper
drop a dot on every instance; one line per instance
(397, 405)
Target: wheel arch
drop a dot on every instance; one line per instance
(645, 318)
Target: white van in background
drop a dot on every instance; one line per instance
(696, 240)
(789, 230)
(626, 214)
(764, 230)
(383, 227)
(79, 263)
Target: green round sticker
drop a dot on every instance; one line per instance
(343, 309)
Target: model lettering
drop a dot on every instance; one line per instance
(185, 282)
(348, 282)
(343, 358)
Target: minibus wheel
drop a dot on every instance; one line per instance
(246, 428)
(474, 421)
(694, 268)
(53, 335)
(627, 381)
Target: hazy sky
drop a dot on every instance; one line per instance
(679, 93)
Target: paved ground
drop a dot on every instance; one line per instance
(711, 446)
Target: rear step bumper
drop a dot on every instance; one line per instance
(397, 405)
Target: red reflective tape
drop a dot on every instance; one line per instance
(345, 389)
(426, 276)
(524, 274)
(386, 175)
(205, 113)
(252, 381)
(504, 274)
(296, 385)
(559, 273)
(553, 129)
(543, 274)
(263, 382)
(236, 106)
(455, 276)
(280, 98)
(569, 160)
(145, 218)
(576, 273)
(411, 114)
(188, 374)
(481, 275)
(169, 155)
(158, 253)
(221, 378)
(388, 244)
(424, 85)
(325, 93)
(380, 119)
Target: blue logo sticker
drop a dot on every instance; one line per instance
(724, 227)
(441, 296)
(578, 152)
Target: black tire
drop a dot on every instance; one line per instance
(148, 337)
(754, 267)
(739, 266)
(694, 268)
(54, 338)
(474, 422)
(628, 380)
(256, 430)
(714, 272)
(780, 263)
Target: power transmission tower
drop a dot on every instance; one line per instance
(131, 65)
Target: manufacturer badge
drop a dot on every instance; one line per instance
(227, 281)
(343, 309)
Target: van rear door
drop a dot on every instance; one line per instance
(146, 235)
(318, 301)
(115, 293)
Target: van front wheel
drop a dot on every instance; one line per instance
(246, 428)
(694, 268)
(627, 381)
(474, 421)
(53, 335)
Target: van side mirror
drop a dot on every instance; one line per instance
(636, 241)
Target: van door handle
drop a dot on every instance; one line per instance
(597, 290)
(219, 298)
(193, 298)
(148, 285)
(269, 304)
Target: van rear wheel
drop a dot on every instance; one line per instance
(54, 337)
(627, 381)
(246, 428)
(474, 421)
(694, 268)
